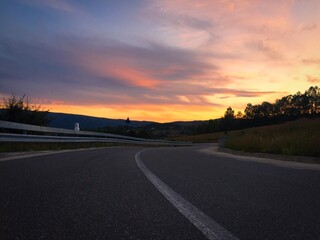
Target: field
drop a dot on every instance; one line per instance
(301, 137)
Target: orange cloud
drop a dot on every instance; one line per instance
(122, 72)
(102, 65)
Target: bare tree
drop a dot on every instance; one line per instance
(20, 109)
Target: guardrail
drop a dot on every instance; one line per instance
(34, 133)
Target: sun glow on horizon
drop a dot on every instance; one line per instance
(161, 114)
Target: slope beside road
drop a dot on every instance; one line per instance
(102, 194)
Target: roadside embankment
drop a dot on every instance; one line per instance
(298, 138)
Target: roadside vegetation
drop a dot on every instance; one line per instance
(21, 110)
(288, 108)
(289, 126)
(301, 137)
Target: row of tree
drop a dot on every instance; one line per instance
(291, 107)
(298, 104)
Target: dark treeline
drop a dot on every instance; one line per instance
(20, 109)
(288, 108)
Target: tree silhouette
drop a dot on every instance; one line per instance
(287, 108)
(229, 114)
(20, 109)
(299, 104)
(239, 115)
(128, 121)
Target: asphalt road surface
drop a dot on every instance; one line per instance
(104, 194)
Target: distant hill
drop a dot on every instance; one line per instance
(67, 121)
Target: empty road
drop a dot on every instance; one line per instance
(157, 193)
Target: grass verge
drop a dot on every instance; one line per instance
(300, 138)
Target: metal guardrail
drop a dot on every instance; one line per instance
(52, 135)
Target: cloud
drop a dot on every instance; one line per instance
(223, 15)
(152, 64)
(241, 93)
(89, 70)
(181, 21)
(228, 25)
(313, 61)
(309, 27)
(312, 79)
(162, 52)
(267, 48)
(59, 5)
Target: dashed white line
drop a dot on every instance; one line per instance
(205, 224)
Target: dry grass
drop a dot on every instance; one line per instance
(300, 137)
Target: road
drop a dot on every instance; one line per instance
(103, 194)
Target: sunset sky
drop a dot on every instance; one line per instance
(159, 60)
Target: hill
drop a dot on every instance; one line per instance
(67, 121)
(117, 126)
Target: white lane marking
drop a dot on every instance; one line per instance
(205, 224)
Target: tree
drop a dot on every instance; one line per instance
(239, 115)
(20, 109)
(229, 114)
(313, 95)
(249, 111)
(128, 121)
(266, 110)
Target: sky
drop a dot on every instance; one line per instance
(157, 60)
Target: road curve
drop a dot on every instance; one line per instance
(102, 194)
(95, 194)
